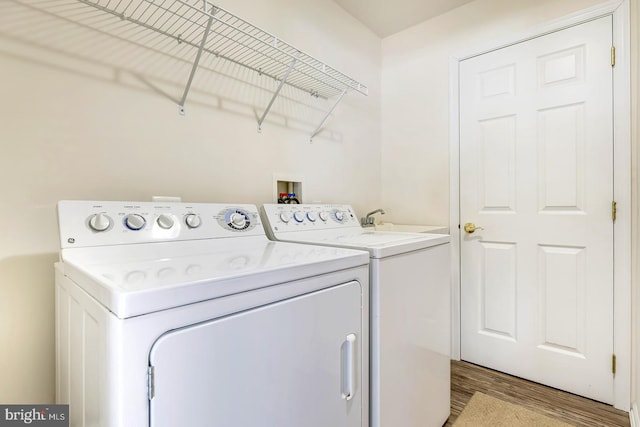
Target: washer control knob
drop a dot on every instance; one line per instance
(285, 217)
(165, 221)
(238, 221)
(192, 220)
(339, 216)
(324, 216)
(298, 216)
(134, 221)
(311, 216)
(99, 222)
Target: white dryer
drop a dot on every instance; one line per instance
(410, 308)
(176, 314)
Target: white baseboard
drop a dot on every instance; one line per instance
(634, 417)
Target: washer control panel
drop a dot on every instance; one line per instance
(292, 217)
(93, 223)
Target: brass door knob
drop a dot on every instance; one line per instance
(471, 227)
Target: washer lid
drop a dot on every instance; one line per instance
(131, 280)
(338, 225)
(379, 244)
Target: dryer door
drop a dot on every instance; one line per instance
(288, 364)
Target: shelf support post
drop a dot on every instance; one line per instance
(197, 60)
(275, 94)
(317, 131)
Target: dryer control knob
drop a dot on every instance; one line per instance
(165, 221)
(298, 216)
(238, 221)
(324, 216)
(285, 217)
(134, 221)
(99, 222)
(339, 216)
(192, 220)
(311, 216)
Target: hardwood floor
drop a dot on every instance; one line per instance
(467, 378)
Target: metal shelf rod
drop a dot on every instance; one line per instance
(275, 94)
(195, 62)
(317, 131)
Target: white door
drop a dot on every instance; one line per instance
(536, 172)
(289, 364)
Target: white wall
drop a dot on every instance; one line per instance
(415, 98)
(635, 137)
(86, 117)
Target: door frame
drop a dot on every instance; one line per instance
(619, 10)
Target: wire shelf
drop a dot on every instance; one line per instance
(211, 30)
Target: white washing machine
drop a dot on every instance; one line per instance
(176, 314)
(410, 308)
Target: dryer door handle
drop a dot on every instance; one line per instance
(348, 367)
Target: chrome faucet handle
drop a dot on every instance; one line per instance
(368, 220)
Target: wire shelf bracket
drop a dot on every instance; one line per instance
(319, 128)
(197, 59)
(277, 91)
(211, 30)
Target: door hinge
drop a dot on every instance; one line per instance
(613, 56)
(613, 364)
(150, 385)
(614, 210)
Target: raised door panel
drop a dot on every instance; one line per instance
(497, 146)
(498, 290)
(561, 158)
(562, 283)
